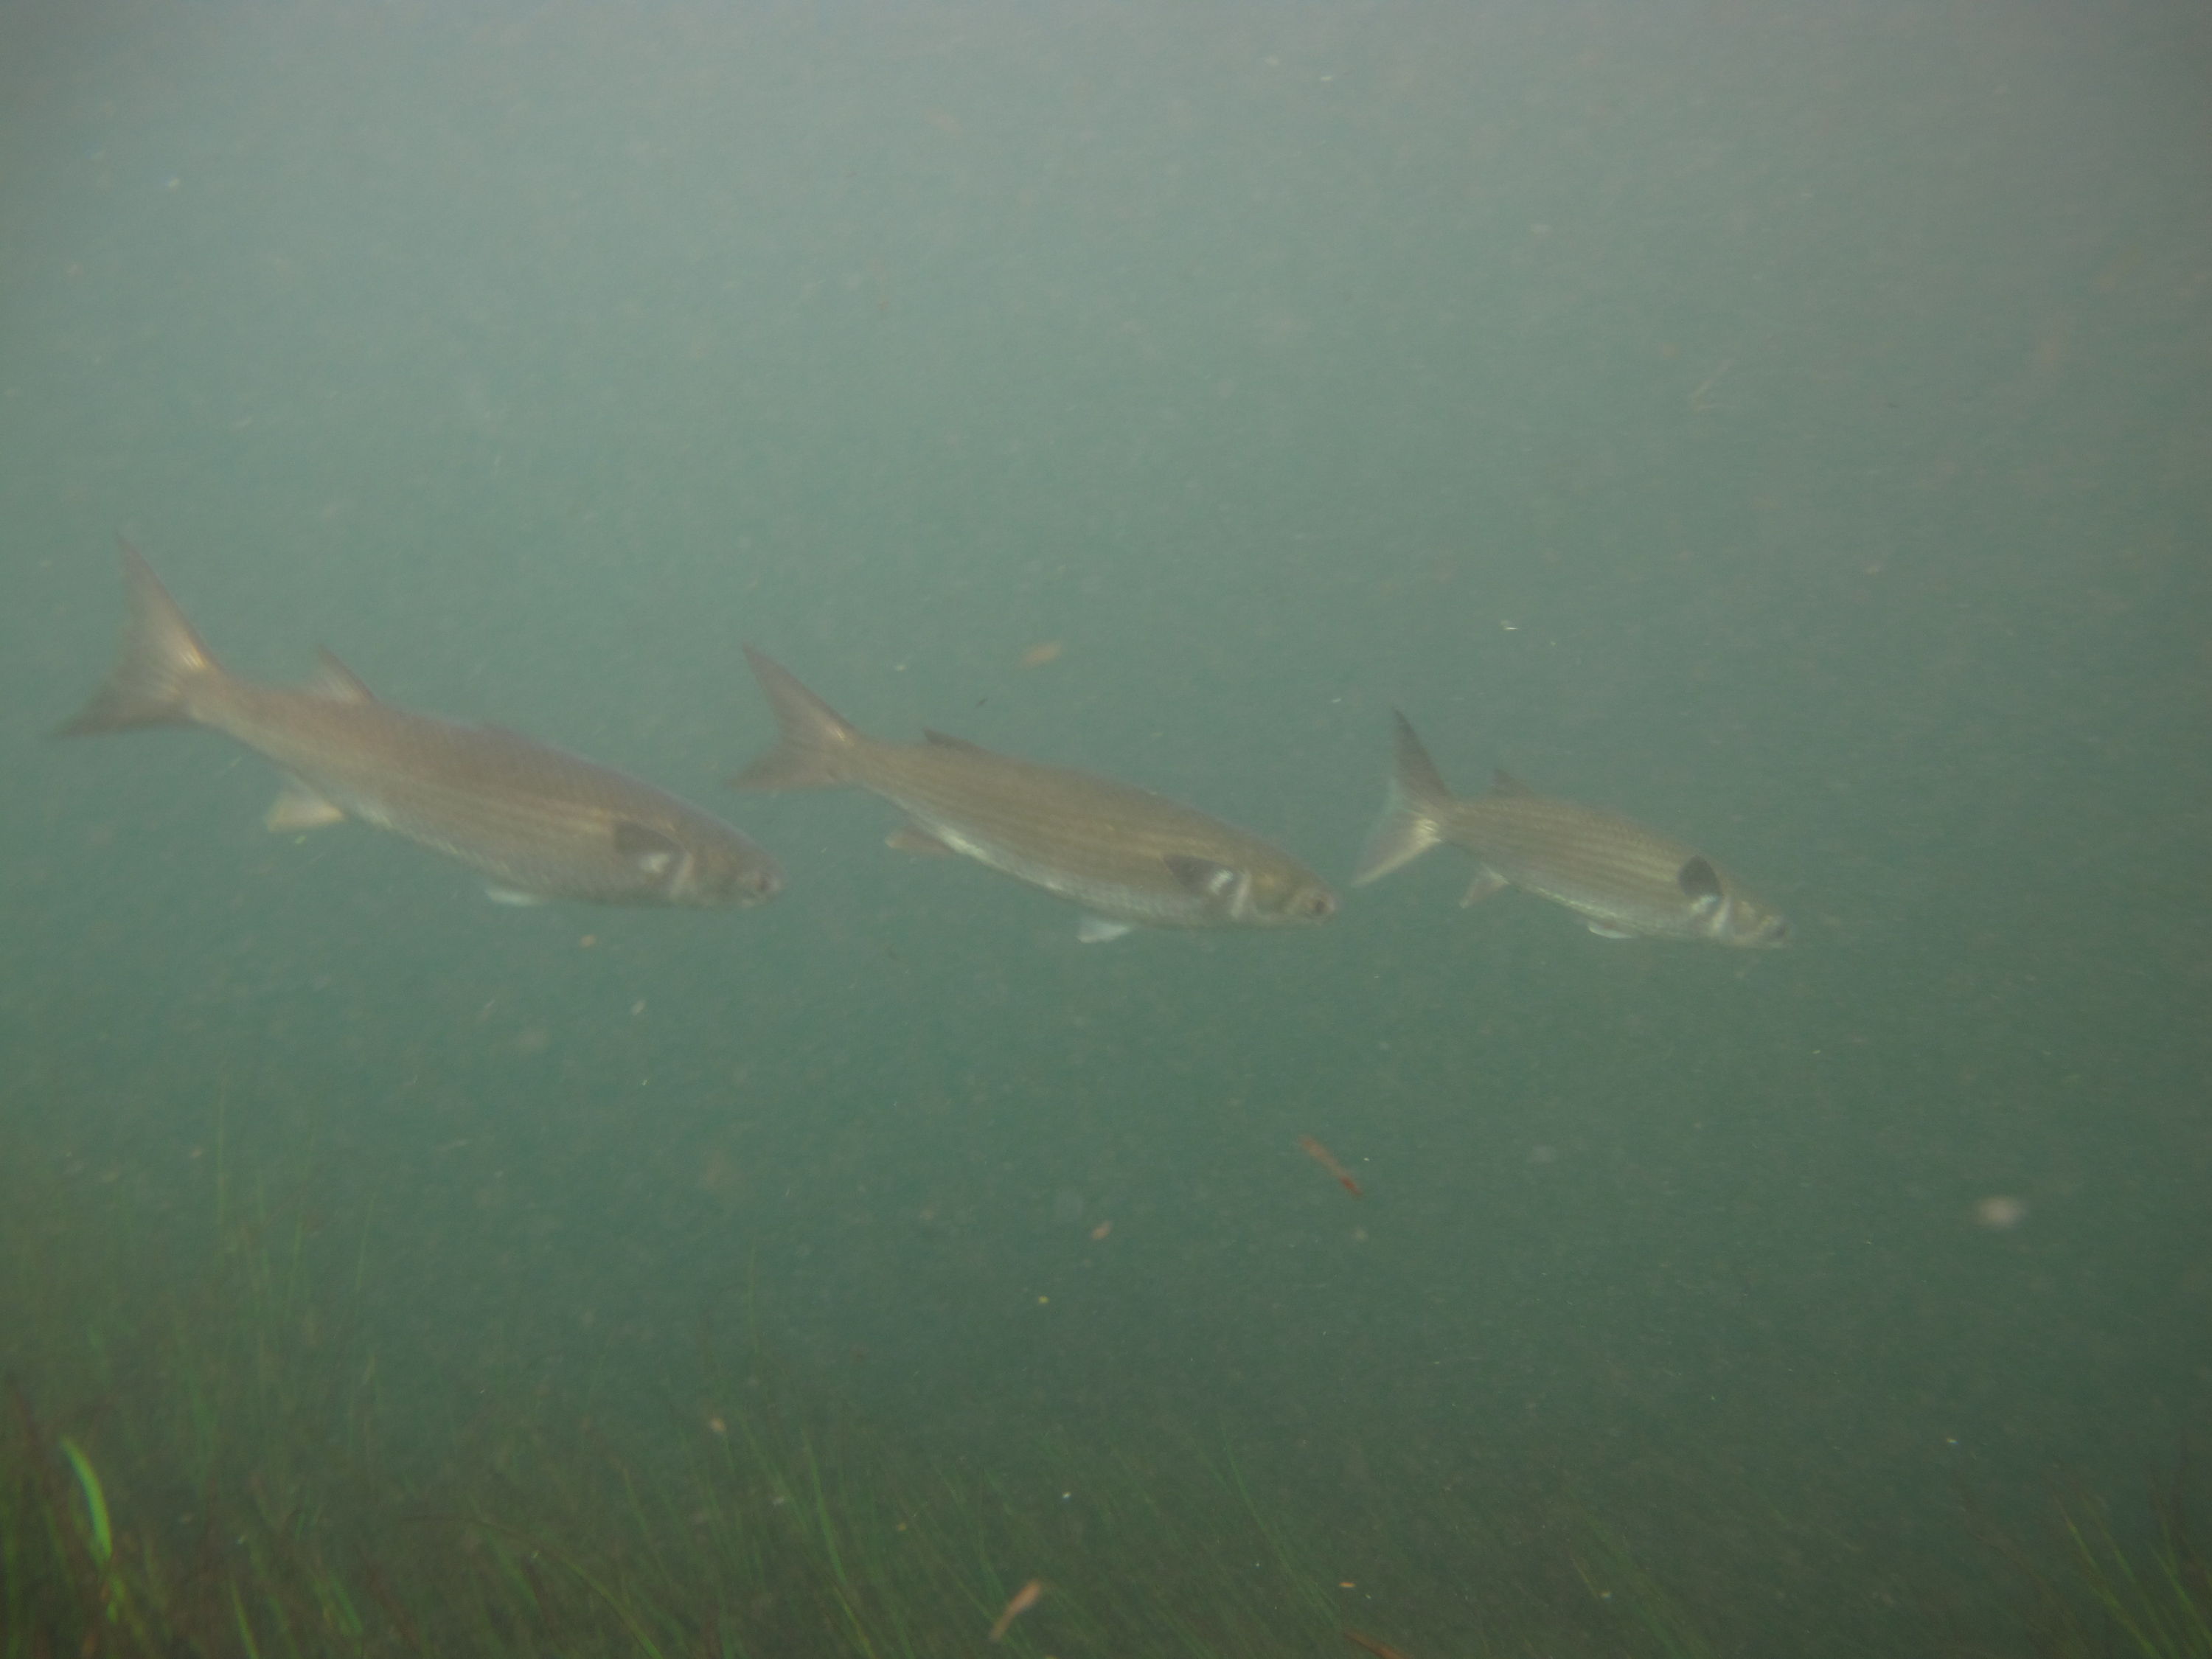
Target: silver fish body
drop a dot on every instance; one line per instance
(538, 822)
(1128, 857)
(1623, 880)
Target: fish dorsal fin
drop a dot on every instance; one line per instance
(1205, 878)
(653, 851)
(945, 742)
(334, 680)
(1698, 880)
(1503, 782)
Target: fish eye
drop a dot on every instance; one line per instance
(1317, 905)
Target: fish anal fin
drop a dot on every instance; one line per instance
(913, 838)
(334, 680)
(300, 807)
(1098, 930)
(1486, 881)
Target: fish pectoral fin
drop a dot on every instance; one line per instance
(334, 680)
(1205, 878)
(1503, 782)
(1486, 881)
(1698, 880)
(913, 838)
(514, 895)
(651, 850)
(945, 742)
(1605, 930)
(1097, 930)
(300, 807)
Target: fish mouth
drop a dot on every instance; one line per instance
(739, 888)
(758, 886)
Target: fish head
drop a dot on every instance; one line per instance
(1290, 896)
(1724, 913)
(1266, 893)
(709, 865)
(713, 876)
(1755, 927)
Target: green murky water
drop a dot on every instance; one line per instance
(1786, 425)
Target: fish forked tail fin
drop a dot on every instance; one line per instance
(160, 664)
(815, 745)
(1412, 813)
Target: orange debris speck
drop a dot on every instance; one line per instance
(1024, 1600)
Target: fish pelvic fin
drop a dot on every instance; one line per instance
(161, 663)
(913, 838)
(301, 806)
(815, 745)
(1411, 812)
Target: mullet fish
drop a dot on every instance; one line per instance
(540, 822)
(1625, 881)
(1128, 857)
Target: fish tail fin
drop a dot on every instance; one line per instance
(815, 745)
(162, 661)
(1412, 820)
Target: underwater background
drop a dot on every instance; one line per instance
(1789, 424)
